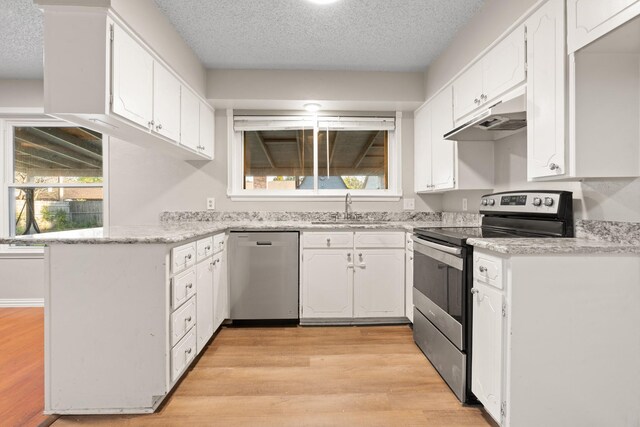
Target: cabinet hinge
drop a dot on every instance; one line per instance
(504, 310)
(503, 409)
(111, 32)
(111, 99)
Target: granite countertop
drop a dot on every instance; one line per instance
(176, 232)
(533, 246)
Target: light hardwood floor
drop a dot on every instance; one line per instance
(308, 376)
(21, 366)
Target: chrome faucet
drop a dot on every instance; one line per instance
(347, 205)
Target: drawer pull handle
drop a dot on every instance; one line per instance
(190, 285)
(186, 257)
(188, 351)
(208, 248)
(474, 291)
(188, 319)
(482, 269)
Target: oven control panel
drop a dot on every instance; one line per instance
(522, 202)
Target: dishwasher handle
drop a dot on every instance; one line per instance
(264, 243)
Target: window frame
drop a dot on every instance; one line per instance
(235, 178)
(7, 229)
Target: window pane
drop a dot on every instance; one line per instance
(278, 159)
(353, 160)
(47, 155)
(43, 210)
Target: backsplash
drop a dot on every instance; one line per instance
(610, 231)
(296, 216)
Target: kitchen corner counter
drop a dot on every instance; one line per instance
(176, 232)
(545, 246)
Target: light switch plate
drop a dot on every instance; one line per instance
(409, 204)
(211, 203)
(465, 206)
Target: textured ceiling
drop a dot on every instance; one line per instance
(376, 35)
(20, 40)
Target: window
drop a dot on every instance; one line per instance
(314, 157)
(53, 178)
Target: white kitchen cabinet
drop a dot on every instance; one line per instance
(133, 85)
(408, 292)
(327, 283)
(207, 130)
(441, 165)
(487, 338)
(589, 20)
(544, 326)
(378, 285)
(220, 288)
(100, 75)
(500, 70)
(166, 103)
(546, 91)
(190, 120)
(204, 303)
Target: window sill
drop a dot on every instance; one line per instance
(367, 197)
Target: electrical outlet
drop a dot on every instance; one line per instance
(409, 204)
(211, 203)
(464, 205)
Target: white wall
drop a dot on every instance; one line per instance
(144, 183)
(21, 96)
(21, 278)
(610, 199)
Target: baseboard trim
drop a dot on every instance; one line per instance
(22, 302)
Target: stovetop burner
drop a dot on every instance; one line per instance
(459, 235)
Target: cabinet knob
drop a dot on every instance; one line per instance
(482, 269)
(554, 166)
(189, 256)
(208, 248)
(474, 291)
(190, 285)
(410, 258)
(188, 351)
(151, 123)
(476, 101)
(483, 97)
(158, 127)
(188, 319)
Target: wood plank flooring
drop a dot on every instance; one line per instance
(307, 376)
(21, 366)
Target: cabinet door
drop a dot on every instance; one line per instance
(467, 90)
(546, 91)
(189, 119)
(504, 66)
(442, 150)
(132, 79)
(487, 336)
(378, 287)
(204, 303)
(327, 283)
(166, 103)
(220, 289)
(589, 20)
(409, 285)
(207, 130)
(422, 149)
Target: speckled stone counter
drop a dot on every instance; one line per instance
(532, 246)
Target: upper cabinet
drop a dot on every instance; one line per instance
(589, 20)
(442, 165)
(546, 89)
(501, 69)
(99, 75)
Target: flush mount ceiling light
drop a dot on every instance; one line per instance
(323, 1)
(312, 107)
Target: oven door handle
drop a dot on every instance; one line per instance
(437, 246)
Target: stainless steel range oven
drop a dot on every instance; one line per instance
(443, 274)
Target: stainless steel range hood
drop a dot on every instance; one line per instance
(503, 118)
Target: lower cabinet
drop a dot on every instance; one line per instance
(408, 269)
(350, 282)
(220, 287)
(204, 302)
(327, 283)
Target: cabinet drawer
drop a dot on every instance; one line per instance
(219, 242)
(183, 257)
(182, 320)
(392, 239)
(204, 248)
(334, 239)
(488, 269)
(182, 354)
(183, 287)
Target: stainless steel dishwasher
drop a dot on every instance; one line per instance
(264, 275)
